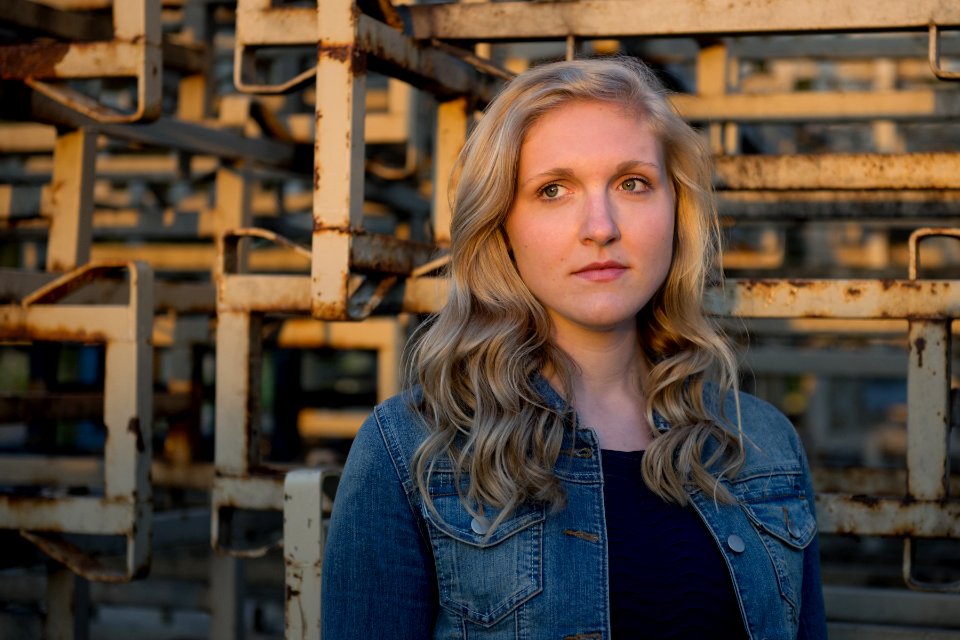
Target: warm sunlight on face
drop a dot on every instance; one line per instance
(591, 226)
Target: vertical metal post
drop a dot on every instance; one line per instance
(451, 134)
(338, 155)
(227, 579)
(68, 605)
(303, 541)
(70, 205)
(237, 392)
(712, 70)
(928, 418)
(128, 413)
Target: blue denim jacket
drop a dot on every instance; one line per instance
(392, 569)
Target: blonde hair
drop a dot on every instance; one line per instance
(477, 359)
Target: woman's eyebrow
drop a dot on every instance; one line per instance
(626, 165)
(557, 173)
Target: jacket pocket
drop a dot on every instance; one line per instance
(778, 508)
(484, 577)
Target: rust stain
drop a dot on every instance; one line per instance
(853, 292)
(345, 53)
(920, 344)
(870, 501)
(34, 60)
(134, 428)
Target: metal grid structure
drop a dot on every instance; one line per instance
(218, 140)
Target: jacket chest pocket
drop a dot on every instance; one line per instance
(484, 577)
(778, 508)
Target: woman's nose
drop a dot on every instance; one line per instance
(599, 223)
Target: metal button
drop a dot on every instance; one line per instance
(481, 525)
(736, 544)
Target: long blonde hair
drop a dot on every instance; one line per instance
(477, 359)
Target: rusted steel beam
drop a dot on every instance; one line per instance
(921, 299)
(865, 515)
(67, 25)
(385, 48)
(490, 21)
(134, 52)
(841, 171)
(170, 133)
(821, 106)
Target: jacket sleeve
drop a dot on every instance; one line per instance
(813, 625)
(378, 571)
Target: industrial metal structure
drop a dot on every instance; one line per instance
(219, 221)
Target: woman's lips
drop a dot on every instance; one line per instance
(601, 271)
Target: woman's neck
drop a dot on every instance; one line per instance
(606, 387)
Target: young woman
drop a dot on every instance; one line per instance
(561, 467)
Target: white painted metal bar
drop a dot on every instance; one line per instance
(68, 606)
(840, 171)
(304, 538)
(811, 106)
(338, 157)
(518, 21)
(70, 207)
(451, 133)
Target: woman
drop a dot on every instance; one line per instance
(562, 468)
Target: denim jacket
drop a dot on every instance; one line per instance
(392, 569)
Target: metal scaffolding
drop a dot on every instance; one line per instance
(219, 221)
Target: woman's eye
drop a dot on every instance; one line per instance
(633, 184)
(550, 191)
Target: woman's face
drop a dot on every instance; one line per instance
(591, 225)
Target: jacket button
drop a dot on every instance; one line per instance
(736, 544)
(481, 525)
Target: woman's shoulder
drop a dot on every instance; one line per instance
(769, 437)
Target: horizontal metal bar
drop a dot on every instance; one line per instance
(264, 293)
(170, 133)
(837, 299)
(29, 406)
(616, 18)
(806, 106)
(891, 606)
(328, 423)
(66, 323)
(841, 171)
(880, 516)
(858, 631)
(255, 492)
(73, 514)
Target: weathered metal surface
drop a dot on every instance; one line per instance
(807, 106)
(615, 18)
(433, 68)
(304, 539)
(70, 203)
(134, 52)
(865, 515)
(841, 171)
(125, 508)
(933, 56)
(921, 299)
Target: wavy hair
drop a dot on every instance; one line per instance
(477, 358)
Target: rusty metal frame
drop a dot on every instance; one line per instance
(134, 52)
(241, 481)
(306, 500)
(556, 19)
(933, 56)
(125, 509)
(353, 271)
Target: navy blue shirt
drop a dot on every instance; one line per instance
(668, 579)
